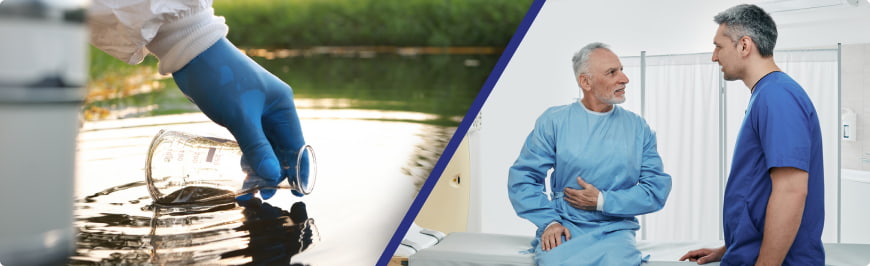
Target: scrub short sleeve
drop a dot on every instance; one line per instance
(784, 130)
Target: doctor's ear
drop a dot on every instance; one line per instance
(745, 44)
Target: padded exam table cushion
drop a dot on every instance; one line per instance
(462, 248)
(467, 249)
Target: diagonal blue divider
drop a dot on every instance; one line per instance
(426, 189)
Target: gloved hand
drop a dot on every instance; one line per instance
(254, 105)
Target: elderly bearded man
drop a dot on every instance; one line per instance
(606, 171)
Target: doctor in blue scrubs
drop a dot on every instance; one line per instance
(606, 171)
(774, 199)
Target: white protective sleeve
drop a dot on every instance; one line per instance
(175, 31)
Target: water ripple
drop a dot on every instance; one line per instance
(119, 226)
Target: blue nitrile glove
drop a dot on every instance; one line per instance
(256, 107)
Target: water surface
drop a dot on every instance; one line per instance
(377, 122)
(369, 169)
(118, 226)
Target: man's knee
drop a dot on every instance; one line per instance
(609, 248)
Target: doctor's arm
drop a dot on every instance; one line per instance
(785, 210)
(650, 192)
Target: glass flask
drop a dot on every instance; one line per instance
(186, 168)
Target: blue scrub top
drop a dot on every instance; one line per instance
(781, 129)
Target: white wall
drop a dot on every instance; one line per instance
(539, 74)
(856, 81)
(856, 153)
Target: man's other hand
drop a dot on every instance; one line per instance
(552, 236)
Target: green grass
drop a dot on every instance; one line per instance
(306, 23)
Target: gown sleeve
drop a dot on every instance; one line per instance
(650, 192)
(526, 176)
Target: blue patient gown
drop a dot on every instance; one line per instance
(614, 151)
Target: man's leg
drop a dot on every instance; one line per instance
(593, 248)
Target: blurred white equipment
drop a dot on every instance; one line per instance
(848, 128)
(418, 238)
(42, 74)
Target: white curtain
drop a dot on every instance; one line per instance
(682, 104)
(817, 71)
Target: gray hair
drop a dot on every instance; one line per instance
(749, 20)
(581, 58)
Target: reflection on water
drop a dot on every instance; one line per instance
(196, 195)
(370, 165)
(441, 85)
(426, 154)
(119, 226)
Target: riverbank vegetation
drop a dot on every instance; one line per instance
(362, 27)
(306, 23)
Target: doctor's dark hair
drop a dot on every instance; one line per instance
(581, 58)
(749, 20)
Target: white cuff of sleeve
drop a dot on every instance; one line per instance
(551, 224)
(600, 206)
(180, 41)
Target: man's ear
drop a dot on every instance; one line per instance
(745, 46)
(583, 81)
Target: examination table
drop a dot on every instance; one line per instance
(463, 248)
